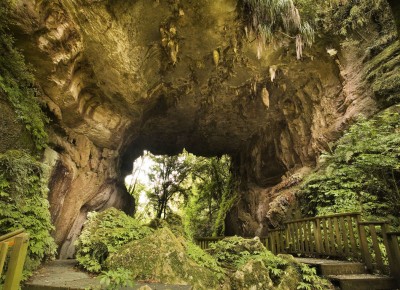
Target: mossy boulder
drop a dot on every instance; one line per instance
(250, 265)
(253, 275)
(162, 257)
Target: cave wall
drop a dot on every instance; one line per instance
(115, 83)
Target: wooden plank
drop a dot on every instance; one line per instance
(384, 229)
(301, 239)
(310, 236)
(366, 256)
(344, 236)
(287, 239)
(354, 250)
(10, 235)
(306, 239)
(377, 250)
(294, 245)
(292, 239)
(295, 239)
(338, 238)
(3, 255)
(273, 243)
(326, 216)
(326, 238)
(317, 236)
(394, 252)
(282, 241)
(332, 246)
(16, 264)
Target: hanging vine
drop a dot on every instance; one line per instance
(270, 20)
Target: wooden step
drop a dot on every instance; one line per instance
(334, 267)
(363, 282)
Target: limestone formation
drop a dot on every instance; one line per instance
(118, 77)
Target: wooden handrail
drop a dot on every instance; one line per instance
(11, 235)
(209, 238)
(325, 216)
(18, 241)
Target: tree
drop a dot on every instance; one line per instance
(168, 177)
(211, 184)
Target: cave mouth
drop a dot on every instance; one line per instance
(183, 189)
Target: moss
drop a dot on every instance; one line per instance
(251, 266)
(162, 257)
(383, 71)
(382, 58)
(13, 134)
(17, 83)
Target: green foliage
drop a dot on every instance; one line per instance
(17, 82)
(211, 188)
(115, 279)
(227, 201)
(234, 252)
(310, 279)
(361, 174)
(204, 259)
(186, 184)
(344, 17)
(104, 233)
(23, 204)
(269, 20)
(168, 177)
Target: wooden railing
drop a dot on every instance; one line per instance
(332, 235)
(204, 243)
(341, 236)
(18, 241)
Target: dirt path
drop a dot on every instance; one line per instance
(63, 274)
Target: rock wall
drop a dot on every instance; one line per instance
(118, 77)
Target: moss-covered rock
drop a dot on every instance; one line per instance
(251, 266)
(253, 275)
(162, 257)
(104, 233)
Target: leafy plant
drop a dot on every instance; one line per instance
(17, 82)
(210, 195)
(204, 259)
(310, 279)
(344, 17)
(361, 174)
(104, 233)
(23, 204)
(115, 279)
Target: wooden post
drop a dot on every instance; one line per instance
(3, 255)
(317, 236)
(354, 250)
(377, 250)
(17, 260)
(366, 256)
(345, 237)
(394, 253)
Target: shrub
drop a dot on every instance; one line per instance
(104, 233)
(23, 204)
(361, 174)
